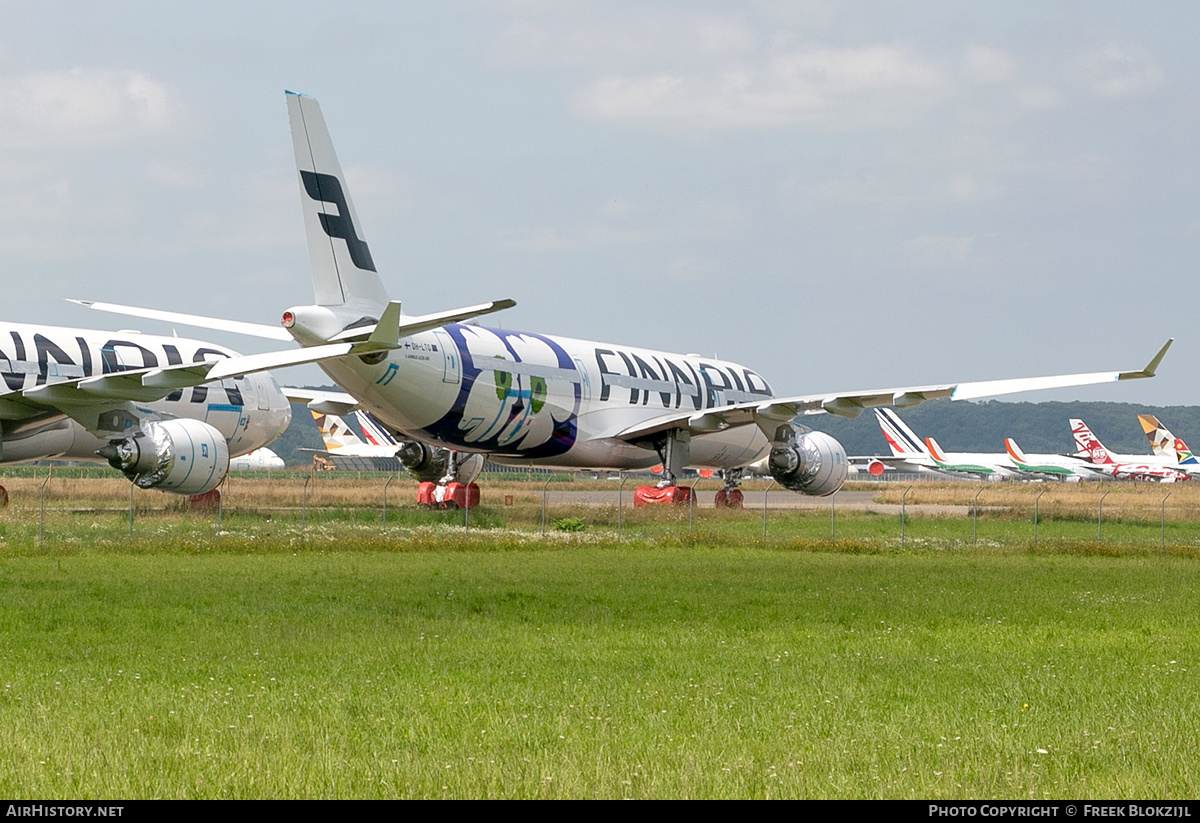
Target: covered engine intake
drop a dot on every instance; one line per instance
(181, 456)
(809, 462)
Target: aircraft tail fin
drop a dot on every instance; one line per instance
(900, 438)
(1163, 443)
(375, 434)
(335, 432)
(1015, 453)
(342, 268)
(1089, 446)
(935, 451)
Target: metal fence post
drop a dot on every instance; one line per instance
(544, 485)
(1100, 515)
(42, 506)
(903, 502)
(620, 500)
(832, 532)
(1162, 523)
(1036, 500)
(304, 504)
(975, 518)
(764, 536)
(383, 519)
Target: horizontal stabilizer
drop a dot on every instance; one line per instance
(215, 323)
(408, 326)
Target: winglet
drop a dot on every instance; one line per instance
(1151, 367)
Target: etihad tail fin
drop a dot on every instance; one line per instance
(1087, 444)
(1163, 443)
(342, 268)
(900, 438)
(334, 431)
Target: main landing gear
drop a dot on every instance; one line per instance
(673, 450)
(730, 497)
(448, 495)
(454, 471)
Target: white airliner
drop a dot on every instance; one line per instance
(1162, 468)
(1059, 466)
(525, 398)
(166, 411)
(257, 460)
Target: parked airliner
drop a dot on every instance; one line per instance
(525, 398)
(1131, 466)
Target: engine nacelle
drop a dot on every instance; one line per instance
(432, 464)
(809, 462)
(181, 456)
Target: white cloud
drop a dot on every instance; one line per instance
(1038, 98)
(1122, 71)
(988, 65)
(938, 251)
(586, 237)
(814, 85)
(632, 38)
(80, 106)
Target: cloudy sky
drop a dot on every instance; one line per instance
(841, 195)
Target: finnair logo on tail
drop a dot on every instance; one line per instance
(325, 188)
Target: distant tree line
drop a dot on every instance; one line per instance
(1037, 427)
(963, 426)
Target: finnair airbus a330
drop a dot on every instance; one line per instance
(524, 398)
(166, 411)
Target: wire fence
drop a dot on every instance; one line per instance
(56, 501)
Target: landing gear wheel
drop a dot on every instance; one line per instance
(728, 499)
(662, 495)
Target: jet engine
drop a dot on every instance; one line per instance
(430, 464)
(809, 462)
(181, 456)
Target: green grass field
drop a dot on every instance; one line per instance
(344, 663)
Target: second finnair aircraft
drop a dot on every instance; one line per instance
(525, 398)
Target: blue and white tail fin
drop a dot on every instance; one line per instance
(342, 268)
(901, 439)
(375, 434)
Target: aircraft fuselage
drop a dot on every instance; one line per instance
(248, 411)
(550, 401)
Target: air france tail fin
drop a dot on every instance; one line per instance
(335, 432)
(900, 438)
(375, 434)
(1163, 443)
(1089, 446)
(342, 268)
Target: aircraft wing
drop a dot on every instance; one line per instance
(105, 404)
(771, 413)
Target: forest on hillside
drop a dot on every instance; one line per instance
(963, 426)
